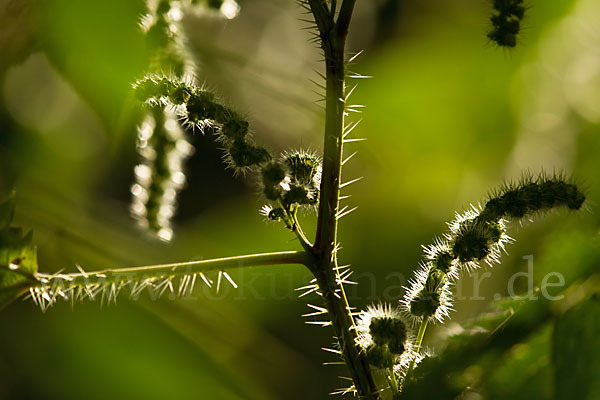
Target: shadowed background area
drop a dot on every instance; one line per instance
(449, 116)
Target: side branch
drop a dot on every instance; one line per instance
(344, 17)
(322, 15)
(184, 268)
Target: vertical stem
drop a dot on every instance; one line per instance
(326, 236)
(333, 37)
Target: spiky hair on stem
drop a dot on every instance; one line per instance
(404, 362)
(75, 288)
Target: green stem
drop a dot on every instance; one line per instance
(323, 16)
(393, 382)
(418, 342)
(291, 222)
(185, 268)
(300, 233)
(333, 35)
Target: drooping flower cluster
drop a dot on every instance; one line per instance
(162, 143)
(197, 109)
(289, 183)
(506, 20)
(478, 236)
(474, 237)
(163, 147)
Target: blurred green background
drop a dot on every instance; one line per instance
(449, 117)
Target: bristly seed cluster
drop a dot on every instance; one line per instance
(475, 237)
(479, 235)
(506, 21)
(163, 148)
(386, 337)
(162, 143)
(289, 184)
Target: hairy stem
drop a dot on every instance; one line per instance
(186, 268)
(333, 36)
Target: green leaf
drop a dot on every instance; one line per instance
(524, 371)
(577, 352)
(18, 264)
(7, 211)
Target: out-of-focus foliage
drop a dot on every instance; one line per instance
(449, 117)
(577, 352)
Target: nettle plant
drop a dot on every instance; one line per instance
(380, 346)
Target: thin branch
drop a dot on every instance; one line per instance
(322, 15)
(184, 268)
(344, 17)
(326, 245)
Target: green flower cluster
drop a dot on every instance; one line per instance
(199, 109)
(383, 335)
(479, 235)
(290, 184)
(506, 21)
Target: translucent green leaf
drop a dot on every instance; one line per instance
(577, 352)
(7, 211)
(524, 371)
(18, 263)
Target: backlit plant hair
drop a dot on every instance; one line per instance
(381, 341)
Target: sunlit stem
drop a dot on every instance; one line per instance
(393, 382)
(418, 342)
(184, 268)
(291, 221)
(333, 34)
(300, 233)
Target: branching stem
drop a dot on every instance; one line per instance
(333, 41)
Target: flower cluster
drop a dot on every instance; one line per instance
(163, 147)
(198, 109)
(474, 238)
(506, 21)
(161, 143)
(173, 103)
(478, 236)
(383, 335)
(289, 184)
(387, 340)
